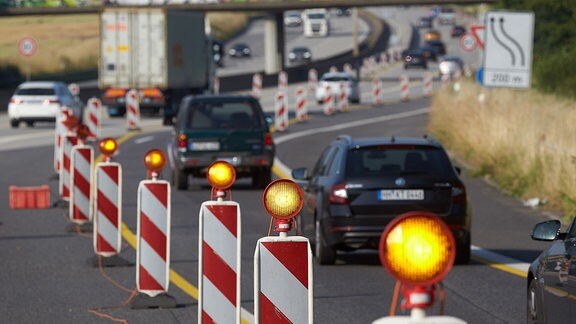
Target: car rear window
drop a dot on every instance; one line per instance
(336, 79)
(35, 92)
(223, 115)
(397, 159)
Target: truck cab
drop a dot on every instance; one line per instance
(316, 22)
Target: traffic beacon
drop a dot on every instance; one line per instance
(219, 250)
(108, 209)
(283, 282)
(418, 250)
(153, 237)
(81, 197)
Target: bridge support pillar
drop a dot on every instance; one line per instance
(274, 43)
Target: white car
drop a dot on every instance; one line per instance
(333, 80)
(40, 101)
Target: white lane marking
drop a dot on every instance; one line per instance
(9, 139)
(284, 171)
(144, 139)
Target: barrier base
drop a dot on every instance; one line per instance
(108, 262)
(143, 301)
(80, 228)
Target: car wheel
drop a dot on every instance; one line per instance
(532, 303)
(261, 177)
(179, 179)
(324, 254)
(14, 123)
(463, 251)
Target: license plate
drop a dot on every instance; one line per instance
(205, 146)
(416, 194)
(235, 161)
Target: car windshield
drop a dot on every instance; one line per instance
(336, 79)
(316, 16)
(35, 92)
(399, 159)
(223, 115)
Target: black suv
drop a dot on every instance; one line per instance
(359, 185)
(232, 128)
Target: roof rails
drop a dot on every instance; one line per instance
(430, 138)
(344, 137)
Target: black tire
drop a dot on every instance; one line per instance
(325, 254)
(179, 179)
(14, 123)
(532, 303)
(30, 123)
(463, 251)
(261, 178)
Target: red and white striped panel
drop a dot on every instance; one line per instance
(312, 80)
(80, 208)
(427, 84)
(328, 103)
(108, 207)
(216, 85)
(283, 281)
(257, 86)
(59, 131)
(283, 81)
(301, 104)
(219, 262)
(281, 111)
(153, 255)
(404, 87)
(94, 122)
(64, 183)
(343, 104)
(133, 110)
(74, 89)
(377, 93)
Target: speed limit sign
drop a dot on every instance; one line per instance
(467, 42)
(27, 46)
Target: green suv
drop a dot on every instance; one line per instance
(232, 128)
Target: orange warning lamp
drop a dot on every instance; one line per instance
(155, 160)
(283, 199)
(108, 146)
(417, 248)
(221, 175)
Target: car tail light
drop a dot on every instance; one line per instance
(182, 142)
(152, 93)
(51, 101)
(338, 194)
(268, 141)
(459, 193)
(115, 93)
(16, 101)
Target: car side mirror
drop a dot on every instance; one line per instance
(547, 231)
(300, 174)
(269, 120)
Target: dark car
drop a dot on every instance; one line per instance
(457, 31)
(300, 54)
(359, 185)
(437, 45)
(414, 58)
(552, 276)
(429, 53)
(425, 22)
(240, 50)
(232, 128)
(218, 52)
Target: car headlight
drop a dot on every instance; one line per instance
(246, 51)
(232, 52)
(307, 55)
(292, 55)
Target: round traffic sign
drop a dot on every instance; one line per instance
(27, 46)
(467, 42)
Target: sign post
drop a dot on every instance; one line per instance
(508, 49)
(27, 46)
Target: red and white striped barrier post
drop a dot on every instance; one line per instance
(377, 94)
(283, 276)
(328, 102)
(257, 86)
(404, 87)
(348, 68)
(427, 84)
(301, 104)
(281, 111)
(68, 142)
(219, 246)
(216, 85)
(333, 69)
(133, 110)
(80, 208)
(74, 89)
(59, 132)
(153, 237)
(108, 208)
(457, 74)
(94, 117)
(343, 104)
(312, 80)
(283, 81)
(445, 78)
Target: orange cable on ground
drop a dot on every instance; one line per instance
(395, 295)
